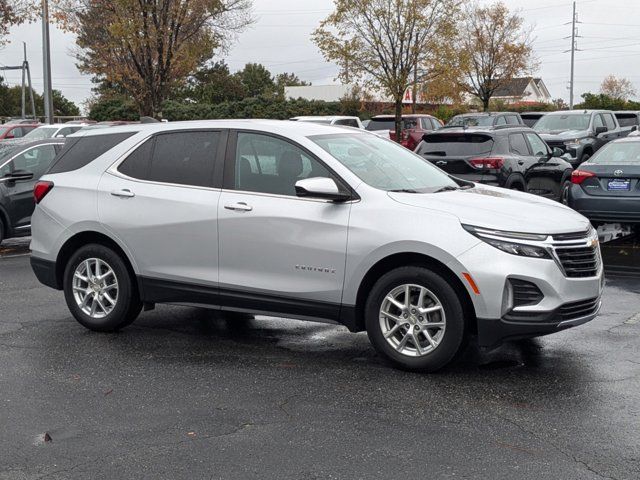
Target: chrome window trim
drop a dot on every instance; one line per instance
(290, 197)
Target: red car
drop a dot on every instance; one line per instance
(413, 127)
(16, 130)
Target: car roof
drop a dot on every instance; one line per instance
(9, 124)
(481, 129)
(632, 112)
(408, 115)
(323, 117)
(485, 114)
(578, 112)
(270, 126)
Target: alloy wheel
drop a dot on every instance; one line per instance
(412, 320)
(95, 287)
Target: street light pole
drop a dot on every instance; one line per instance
(46, 60)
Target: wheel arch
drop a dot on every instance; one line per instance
(404, 259)
(80, 239)
(4, 218)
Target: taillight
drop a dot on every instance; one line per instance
(41, 189)
(487, 162)
(579, 176)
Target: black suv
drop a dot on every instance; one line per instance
(22, 163)
(578, 133)
(485, 119)
(509, 157)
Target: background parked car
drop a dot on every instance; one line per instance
(331, 120)
(629, 121)
(485, 119)
(413, 127)
(53, 131)
(578, 133)
(531, 118)
(606, 189)
(22, 163)
(513, 157)
(15, 130)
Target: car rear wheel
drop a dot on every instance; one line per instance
(99, 290)
(564, 192)
(415, 319)
(2, 230)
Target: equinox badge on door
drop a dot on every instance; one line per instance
(316, 269)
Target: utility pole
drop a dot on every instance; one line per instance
(26, 75)
(574, 48)
(46, 60)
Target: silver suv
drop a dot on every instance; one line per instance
(307, 221)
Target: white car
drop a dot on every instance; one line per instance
(341, 120)
(54, 131)
(309, 221)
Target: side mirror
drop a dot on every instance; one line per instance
(600, 130)
(557, 152)
(320, 187)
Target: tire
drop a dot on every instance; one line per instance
(126, 300)
(515, 183)
(449, 339)
(564, 192)
(2, 230)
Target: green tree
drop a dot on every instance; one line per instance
(256, 80)
(288, 80)
(150, 47)
(494, 49)
(113, 108)
(214, 84)
(389, 44)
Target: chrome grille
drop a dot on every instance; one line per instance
(579, 262)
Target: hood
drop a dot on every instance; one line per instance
(562, 135)
(499, 209)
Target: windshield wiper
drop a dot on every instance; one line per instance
(448, 188)
(404, 190)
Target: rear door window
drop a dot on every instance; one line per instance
(17, 132)
(81, 151)
(501, 121)
(512, 120)
(627, 119)
(518, 144)
(184, 158)
(136, 165)
(455, 145)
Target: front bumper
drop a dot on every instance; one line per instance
(605, 209)
(492, 333)
(491, 269)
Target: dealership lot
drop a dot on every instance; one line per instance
(185, 391)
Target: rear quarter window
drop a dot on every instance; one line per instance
(452, 145)
(81, 151)
(627, 119)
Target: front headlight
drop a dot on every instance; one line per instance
(573, 144)
(502, 241)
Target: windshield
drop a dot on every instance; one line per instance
(471, 121)
(550, 123)
(623, 153)
(41, 133)
(384, 164)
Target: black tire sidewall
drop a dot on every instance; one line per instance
(515, 181)
(454, 313)
(3, 230)
(127, 305)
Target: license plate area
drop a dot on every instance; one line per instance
(618, 184)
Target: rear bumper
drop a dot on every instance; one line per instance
(45, 272)
(486, 179)
(491, 333)
(604, 208)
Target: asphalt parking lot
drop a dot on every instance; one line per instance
(188, 393)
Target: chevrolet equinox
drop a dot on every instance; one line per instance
(307, 221)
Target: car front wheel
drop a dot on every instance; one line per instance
(415, 319)
(99, 290)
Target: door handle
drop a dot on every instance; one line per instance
(124, 193)
(240, 206)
